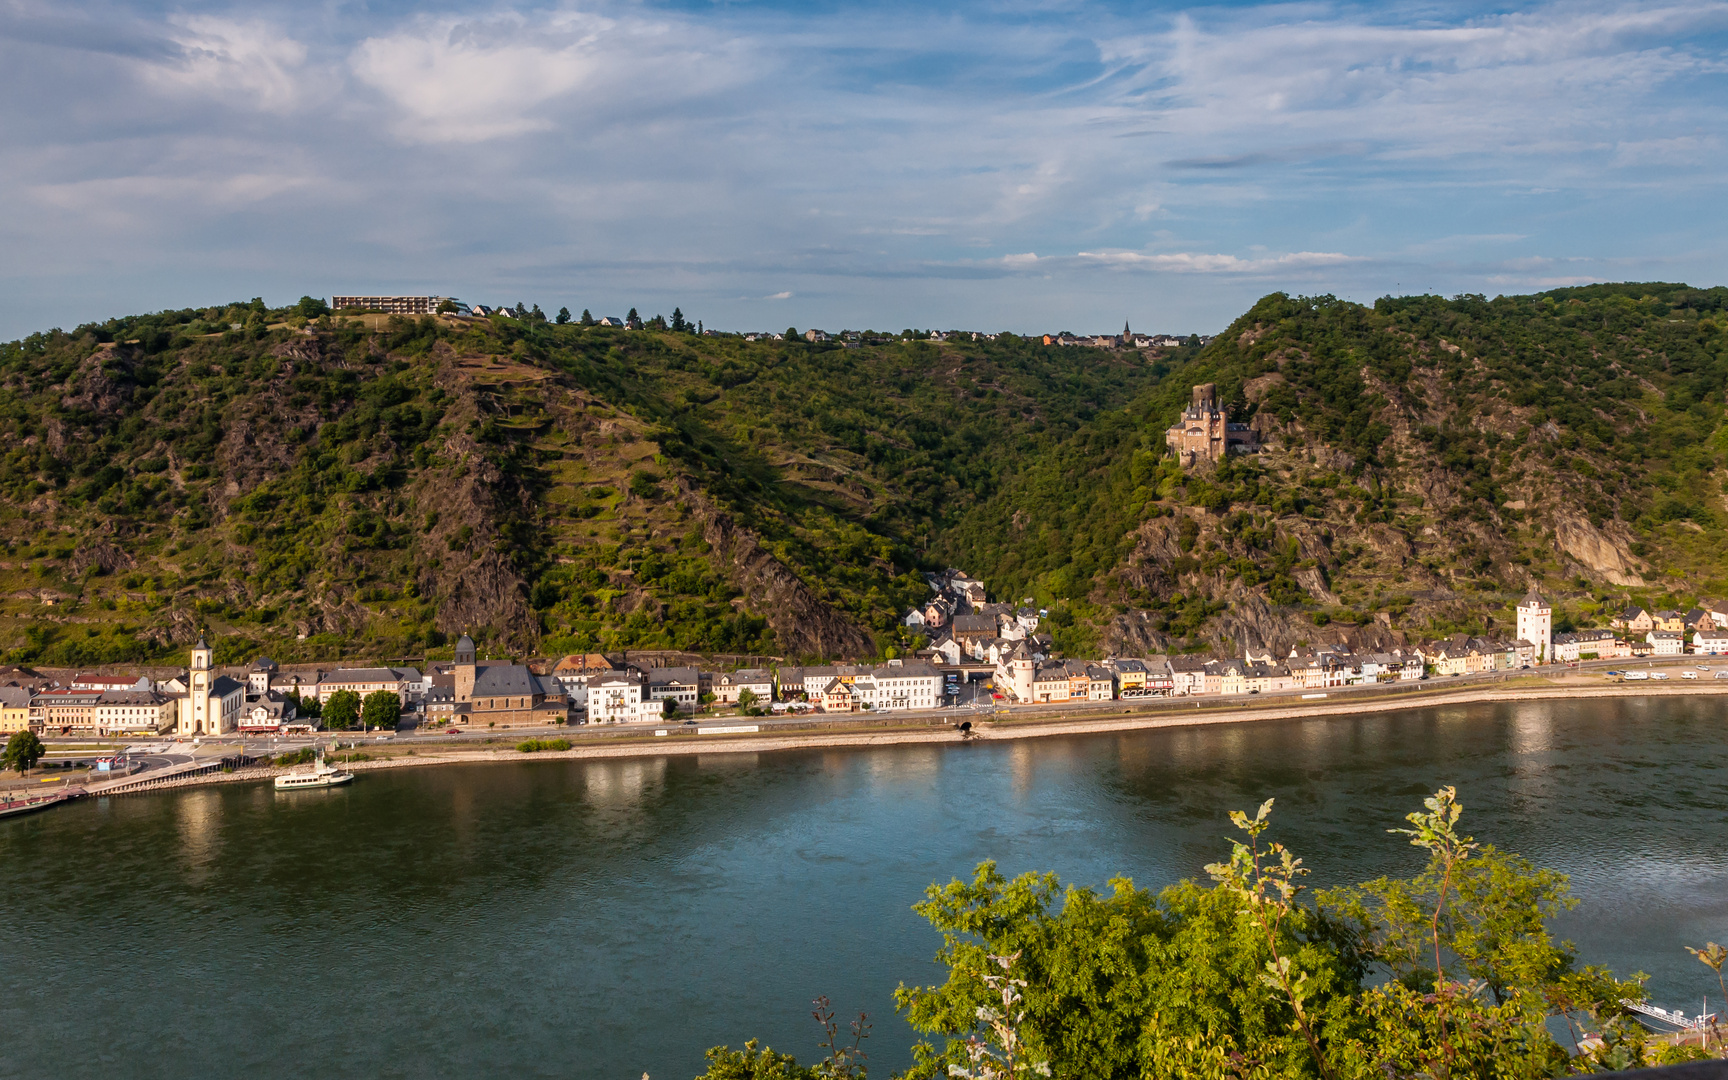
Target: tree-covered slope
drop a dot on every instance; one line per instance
(374, 486)
(1427, 461)
(377, 485)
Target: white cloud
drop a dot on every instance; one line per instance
(1556, 77)
(1181, 262)
(221, 58)
(455, 79)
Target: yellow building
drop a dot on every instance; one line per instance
(14, 709)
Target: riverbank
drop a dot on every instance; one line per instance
(1028, 724)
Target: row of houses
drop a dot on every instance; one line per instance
(1708, 615)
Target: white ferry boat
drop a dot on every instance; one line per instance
(322, 776)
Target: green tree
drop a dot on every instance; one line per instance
(791, 333)
(669, 708)
(342, 710)
(310, 307)
(1246, 978)
(447, 307)
(746, 698)
(563, 316)
(23, 751)
(587, 317)
(382, 710)
(308, 706)
(679, 326)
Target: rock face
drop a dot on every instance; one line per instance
(1601, 555)
(804, 623)
(101, 556)
(488, 592)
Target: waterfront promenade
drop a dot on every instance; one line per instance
(409, 749)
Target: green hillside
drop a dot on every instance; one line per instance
(375, 486)
(1427, 461)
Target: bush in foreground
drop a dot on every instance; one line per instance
(1446, 975)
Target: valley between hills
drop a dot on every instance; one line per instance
(315, 487)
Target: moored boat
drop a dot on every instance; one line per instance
(13, 807)
(322, 775)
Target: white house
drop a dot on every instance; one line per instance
(1667, 642)
(729, 684)
(899, 685)
(618, 698)
(1710, 642)
(680, 684)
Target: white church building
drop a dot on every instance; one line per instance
(212, 702)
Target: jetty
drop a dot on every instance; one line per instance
(10, 807)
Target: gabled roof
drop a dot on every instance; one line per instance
(667, 676)
(223, 686)
(504, 680)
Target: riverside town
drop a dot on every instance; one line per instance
(983, 654)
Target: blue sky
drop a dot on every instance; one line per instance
(997, 165)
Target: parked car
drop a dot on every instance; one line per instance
(1658, 674)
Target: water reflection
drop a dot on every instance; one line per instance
(197, 815)
(615, 785)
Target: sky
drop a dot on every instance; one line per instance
(995, 165)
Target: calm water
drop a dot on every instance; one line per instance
(602, 920)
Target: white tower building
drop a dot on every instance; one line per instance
(1536, 625)
(195, 713)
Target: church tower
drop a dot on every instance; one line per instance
(195, 715)
(466, 666)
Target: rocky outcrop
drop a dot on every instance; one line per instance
(1600, 554)
(103, 557)
(488, 592)
(804, 624)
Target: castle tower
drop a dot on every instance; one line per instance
(1023, 676)
(195, 715)
(466, 663)
(1536, 624)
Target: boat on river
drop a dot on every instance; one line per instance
(10, 807)
(322, 775)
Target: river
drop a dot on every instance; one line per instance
(605, 919)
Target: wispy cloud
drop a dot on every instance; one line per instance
(857, 164)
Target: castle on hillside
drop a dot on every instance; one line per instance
(1204, 434)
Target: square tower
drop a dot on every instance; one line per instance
(195, 717)
(1536, 625)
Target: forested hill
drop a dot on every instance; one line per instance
(376, 486)
(1428, 460)
(371, 487)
